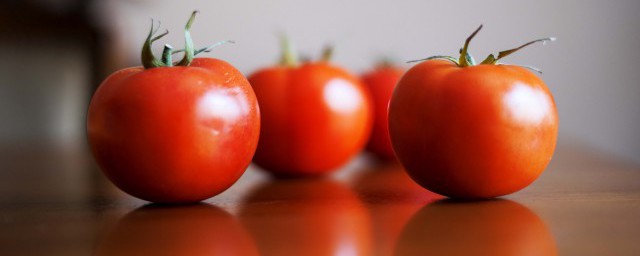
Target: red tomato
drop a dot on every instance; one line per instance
(472, 131)
(315, 118)
(380, 83)
(174, 134)
(199, 229)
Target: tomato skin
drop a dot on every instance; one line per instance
(315, 118)
(174, 134)
(475, 132)
(381, 83)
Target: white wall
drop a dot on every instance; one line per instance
(591, 69)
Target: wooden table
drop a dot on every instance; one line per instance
(54, 201)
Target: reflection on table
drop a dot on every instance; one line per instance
(582, 205)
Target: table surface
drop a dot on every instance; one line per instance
(54, 201)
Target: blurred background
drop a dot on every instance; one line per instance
(55, 53)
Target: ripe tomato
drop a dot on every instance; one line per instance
(315, 117)
(473, 131)
(380, 83)
(174, 134)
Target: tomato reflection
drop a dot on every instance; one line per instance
(200, 229)
(392, 197)
(307, 217)
(496, 227)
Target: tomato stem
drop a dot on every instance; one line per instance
(491, 59)
(166, 55)
(206, 49)
(385, 62)
(465, 59)
(534, 69)
(289, 57)
(188, 42)
(327, 53)
(148, 59)
(449, 58)
(468, 57)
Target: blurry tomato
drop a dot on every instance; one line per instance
(199, 229)
(315, 117)
(473, 131)
(307, 217)
(174, 134)
(380, 83)
(492, 228)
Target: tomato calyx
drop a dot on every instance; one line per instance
(290, 59)
(466, 60)
(150, 61)
(385, 62)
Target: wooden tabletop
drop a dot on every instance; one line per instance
(54, 201)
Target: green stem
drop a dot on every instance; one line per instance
(289, 58)
(385, 62)
(206, 49)
(150, 61)
(491, 59)
(188, 42)
(444, 57)
(534, 69)
(147, 57)
(465, 61)
(166, 55)
(327, 53)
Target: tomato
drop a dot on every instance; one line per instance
(381, 82)
(492, 227)
(199, 229)
(473, 131)
(315, 117)
(307, 217)
(174, 134)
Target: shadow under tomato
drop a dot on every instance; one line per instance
(199, 229)
(306, 217)
(389, 182)
(392, 197)
(490, 227)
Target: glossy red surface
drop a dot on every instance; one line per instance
(307, 217)
(473, 132)
(177, 134)
(315, 118)
(495, 227)
(200, 229)
(381, 82)
(392, 199)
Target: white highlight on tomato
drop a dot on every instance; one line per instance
(526, 104)
(219, 108)
(342, 96)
